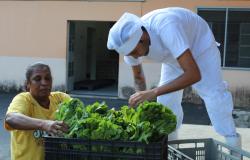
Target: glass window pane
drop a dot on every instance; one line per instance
(216, 21)
(238, 39)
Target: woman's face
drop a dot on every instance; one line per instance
(40, 83)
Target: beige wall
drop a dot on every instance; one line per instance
(37, 31)
(39, 28)
(237, 78)
(193, 4)
(239, 85)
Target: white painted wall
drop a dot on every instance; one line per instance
(237, 78)
(12, 69)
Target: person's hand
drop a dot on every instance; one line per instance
(140, 97)
(54, 127)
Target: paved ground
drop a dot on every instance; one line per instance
(192, 131)
(194, 126)
(4, 135)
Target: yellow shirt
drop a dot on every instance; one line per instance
(24, 146)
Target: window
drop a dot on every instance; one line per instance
(231, 28)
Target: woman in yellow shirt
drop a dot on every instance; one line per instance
(31, 113)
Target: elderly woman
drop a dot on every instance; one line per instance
(31, 113)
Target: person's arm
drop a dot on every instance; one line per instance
(139, 78)
(22, 122)
(190, 76)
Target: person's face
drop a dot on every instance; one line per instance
(40, 83)
(142, 48)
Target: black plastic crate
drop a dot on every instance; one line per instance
(80, 149)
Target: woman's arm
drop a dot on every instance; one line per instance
(22, 122)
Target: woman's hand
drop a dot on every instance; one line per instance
(54, 127)
(140, 97)
(22, 122)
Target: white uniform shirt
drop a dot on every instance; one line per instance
(172, 31)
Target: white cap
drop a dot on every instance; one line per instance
(125, 34)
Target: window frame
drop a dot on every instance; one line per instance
(226, 9)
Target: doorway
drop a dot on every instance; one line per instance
(92, 69)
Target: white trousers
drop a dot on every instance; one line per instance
(211, 88)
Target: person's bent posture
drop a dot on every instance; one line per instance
(183, 42)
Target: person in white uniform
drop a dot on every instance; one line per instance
(183, 42)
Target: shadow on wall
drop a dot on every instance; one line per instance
(127, 91)
(190, 96)
(11, 87)
(241, 96)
